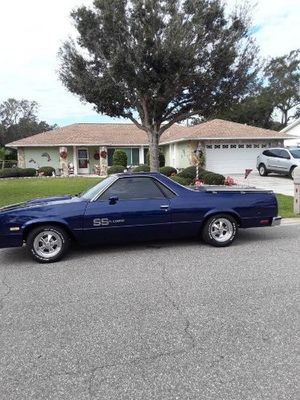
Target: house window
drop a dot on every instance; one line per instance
(209, 146)
(132, 155)
(248, 146)
(225, 146)
(263, 146)
(241, 146)
(217, 146)
(233, 146)
(256, 146)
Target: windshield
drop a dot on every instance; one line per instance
(92, 192)
(295, 153)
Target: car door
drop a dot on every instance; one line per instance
(273, 159)
(132, 208)
(284, 162)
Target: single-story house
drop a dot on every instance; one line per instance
(293, 129)
(229, 147)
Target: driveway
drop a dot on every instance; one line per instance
(278, 183)
(154, 321)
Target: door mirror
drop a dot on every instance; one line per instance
(113, 200)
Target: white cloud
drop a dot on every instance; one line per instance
(33, 30)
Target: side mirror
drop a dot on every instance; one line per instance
(113, 200)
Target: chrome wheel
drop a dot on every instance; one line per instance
(221, 230)
(47, 244)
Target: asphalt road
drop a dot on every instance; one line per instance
(154, 321)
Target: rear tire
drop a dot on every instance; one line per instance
(262, 170)
(220, 230)
(47, 243)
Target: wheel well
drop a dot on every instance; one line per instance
(261, 164)
(232, 214)
(29, 228)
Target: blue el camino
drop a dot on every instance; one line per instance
(134, 207)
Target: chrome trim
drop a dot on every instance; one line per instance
(276, 221)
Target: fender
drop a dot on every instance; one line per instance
(215, 211)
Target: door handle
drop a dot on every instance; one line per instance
(165, 207)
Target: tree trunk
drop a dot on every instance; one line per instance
(153, 138)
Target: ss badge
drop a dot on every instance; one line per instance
(101, 222)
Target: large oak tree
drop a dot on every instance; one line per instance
(159, 62)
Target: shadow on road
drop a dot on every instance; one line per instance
(14, 257)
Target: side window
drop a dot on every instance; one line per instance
(133, 188)
(166, 191)
(284, 154)
(274, 153)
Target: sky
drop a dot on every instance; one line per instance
(32, 31)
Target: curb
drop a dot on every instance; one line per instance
(290, 221)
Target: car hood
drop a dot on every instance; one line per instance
(39, 202)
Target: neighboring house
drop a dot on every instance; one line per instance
(293, 129)
(229, 147)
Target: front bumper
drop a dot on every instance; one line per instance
(276, 221)
(11, 240)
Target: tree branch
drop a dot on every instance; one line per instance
(179, 118)
(136, 123)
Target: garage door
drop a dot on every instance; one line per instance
(232, 158)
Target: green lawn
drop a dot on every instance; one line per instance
(18, 190)
(286, 206)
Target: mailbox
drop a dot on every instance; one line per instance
(296, 176)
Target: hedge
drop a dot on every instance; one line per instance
(168, 171)
(210, 178)
(141, 168)
(115, 169)
(17, 172)
(180, 180)
(46, 171)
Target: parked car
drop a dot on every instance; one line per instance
(132, 207)
(279, 160)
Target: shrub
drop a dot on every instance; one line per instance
(210, 178)
(141, 168)
(161, 158)
(17, 172)
(46, 171)
(168, 171)
(190, 173)
(115, 169)
(10, 173)
(180, 180)
(27, 171)
(120, 158)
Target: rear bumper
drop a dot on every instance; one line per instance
(276, 221)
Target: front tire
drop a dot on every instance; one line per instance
(291, 174)
(220, 230)
(47, 243)
(262, 170)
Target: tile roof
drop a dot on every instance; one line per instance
(129, 134)
(221, 129)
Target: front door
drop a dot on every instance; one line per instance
(83, 161)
